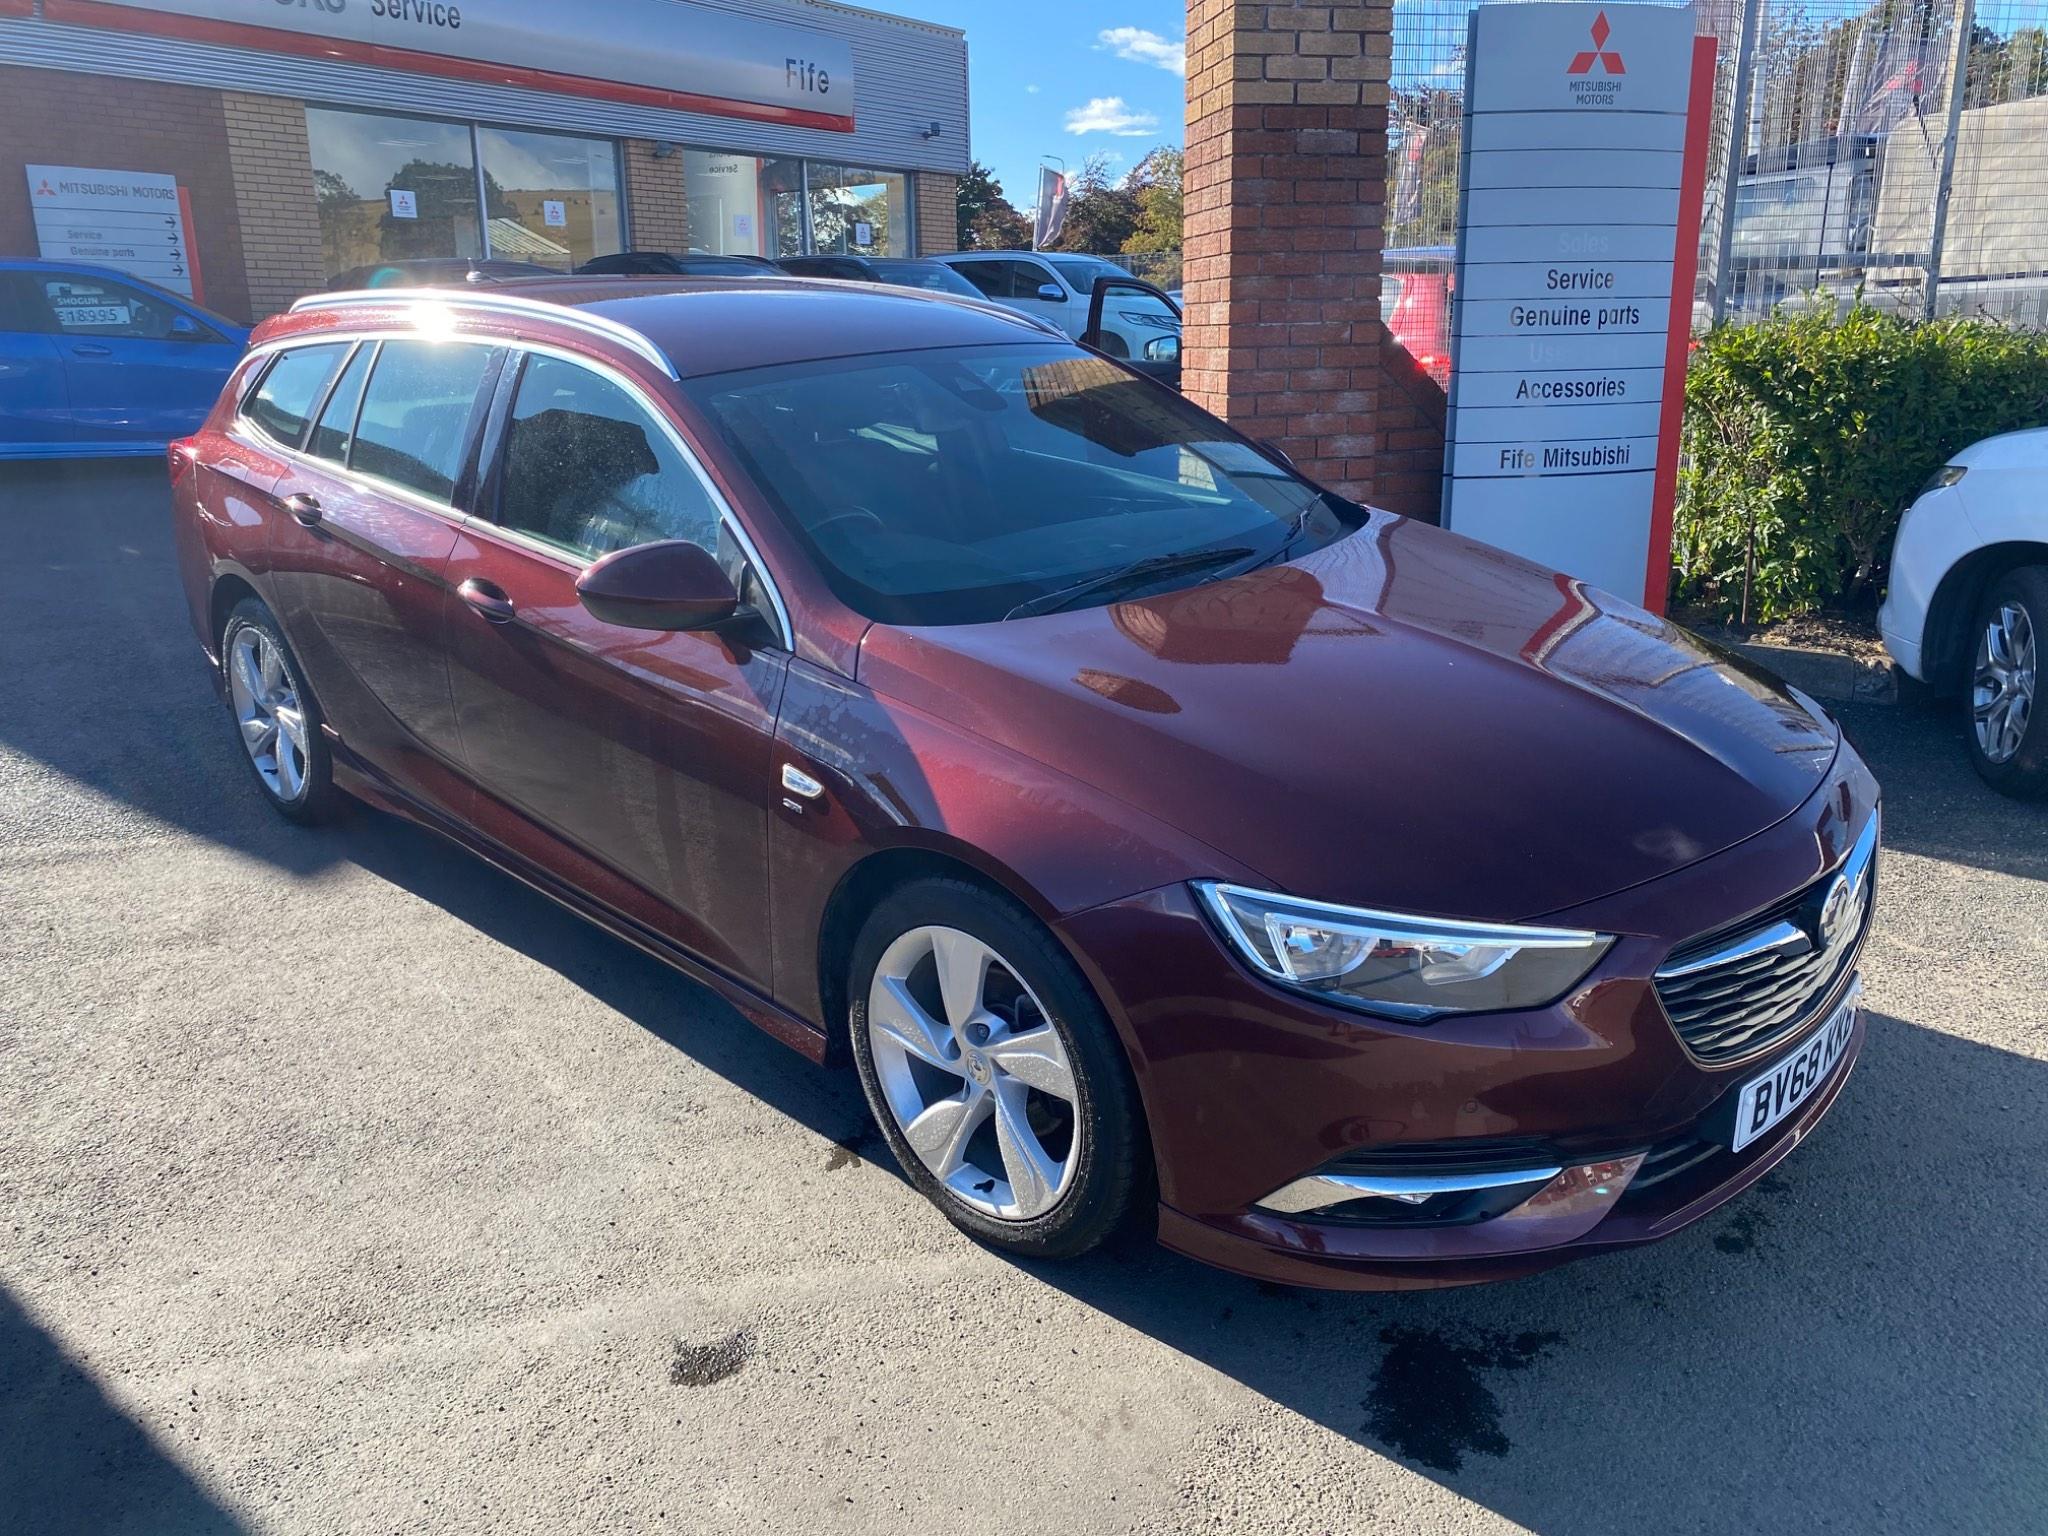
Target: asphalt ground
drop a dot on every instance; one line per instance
(346, 1185)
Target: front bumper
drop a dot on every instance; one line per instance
(1248, 1089)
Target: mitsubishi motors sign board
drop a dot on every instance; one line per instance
(1583, 168)
(654, 53)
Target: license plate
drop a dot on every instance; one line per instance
(1769, 1098)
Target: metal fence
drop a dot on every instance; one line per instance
(1843, 165)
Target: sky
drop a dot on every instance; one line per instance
(1066, 78)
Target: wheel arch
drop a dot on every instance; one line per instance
(229, 589)
(871, 879)
(1947, 640)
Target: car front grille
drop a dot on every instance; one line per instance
(1741, 990)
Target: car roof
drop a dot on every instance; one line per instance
(705, 325)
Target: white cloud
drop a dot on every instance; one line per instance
(1143, 47)
(1030, 90)
(1111, 114)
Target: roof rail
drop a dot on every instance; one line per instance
(508, 303)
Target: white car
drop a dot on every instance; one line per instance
(1135, 323)
(1969, 599)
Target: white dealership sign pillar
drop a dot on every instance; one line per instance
(1583, 168)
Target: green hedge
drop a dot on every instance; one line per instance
(1810, 434)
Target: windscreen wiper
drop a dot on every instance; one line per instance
(1151, 565)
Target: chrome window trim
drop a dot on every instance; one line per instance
(456, 299)
(727, 519)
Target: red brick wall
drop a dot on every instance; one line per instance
(48, 117)
(1285, 202)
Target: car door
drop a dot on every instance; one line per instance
(35, 416)
(646, 753)
(139, 371)
(1138, 324)
(364, 518)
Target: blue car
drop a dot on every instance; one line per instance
(97, 364)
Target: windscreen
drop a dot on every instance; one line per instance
(953, 486)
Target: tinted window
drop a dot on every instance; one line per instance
(96, 306)
(931, 275)
(21, 308)
(949, 486)
(991, 277)
(290, 391)
(587, 469)
(416, 410)
(338, 417)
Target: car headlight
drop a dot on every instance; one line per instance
(1410, 968)
(1944, 477)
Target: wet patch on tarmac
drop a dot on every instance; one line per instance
(1429, 1404)
(699, 1365)
(1744, 1232)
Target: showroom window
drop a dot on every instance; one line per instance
(859, 212)
(554, 199)
(743, 205)
(393, 188)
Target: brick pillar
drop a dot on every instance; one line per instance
(274, 200)
(657, 214)
(938, 219)
(1285, 205)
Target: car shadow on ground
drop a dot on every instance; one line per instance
(1934, 804)
(71, 1461)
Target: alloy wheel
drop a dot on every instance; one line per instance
(268, 713)
(974, 1073)
(2002, 685)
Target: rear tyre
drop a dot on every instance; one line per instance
(2008, 743)
(275, 716)
(993, 1073)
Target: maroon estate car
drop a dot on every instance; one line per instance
(1159, 834)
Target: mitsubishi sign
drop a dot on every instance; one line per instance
(1583, 169)
(652, 53)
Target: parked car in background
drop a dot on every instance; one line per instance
(1968, 602)
(95, 363)
(938, 691)
(1415, 302)
(1059, 288)
(897, 271)
(433, 272)
(664, 264)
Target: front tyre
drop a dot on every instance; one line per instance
(2007, 742)
(992, 1071)
(276, 717)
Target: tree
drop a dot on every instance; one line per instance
(1101, 213)
(1156, 181)
(984, 219)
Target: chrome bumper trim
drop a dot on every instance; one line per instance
(1321, 1189)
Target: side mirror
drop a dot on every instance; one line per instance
(185, 328)
(1163, 349)
(666, 586)
(1052, 293)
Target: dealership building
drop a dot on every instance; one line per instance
(250, 151)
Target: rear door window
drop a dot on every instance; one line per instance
(21, 308)
(290, 391)
(337, 425)
(414, 425)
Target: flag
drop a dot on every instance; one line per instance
(1052, 208)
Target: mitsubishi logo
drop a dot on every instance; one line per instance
(44, 189)
(1608, 60)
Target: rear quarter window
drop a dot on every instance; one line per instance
(290, 392)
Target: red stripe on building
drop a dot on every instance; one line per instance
(1685, 262)
(236, 34)
(191, 244)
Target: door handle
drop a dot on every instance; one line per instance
(84, 349)
(488, 600)
(304, 508)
